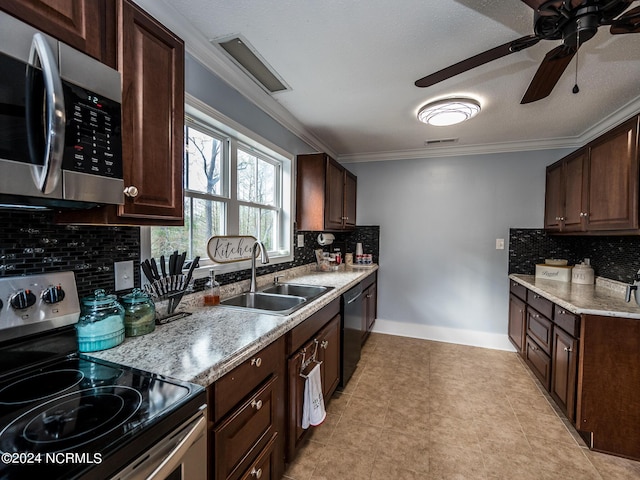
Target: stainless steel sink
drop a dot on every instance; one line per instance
(306, 291)
(265, 302)
(280, 299)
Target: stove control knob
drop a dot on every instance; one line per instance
(23, 299)
(53, 294)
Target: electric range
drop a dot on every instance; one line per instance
(65, 415)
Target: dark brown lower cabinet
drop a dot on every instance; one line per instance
(246, 418)
(564, 371)
(517, 323)
(370, 304)
(317, 337)
(538, 361)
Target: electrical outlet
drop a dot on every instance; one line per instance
(499, 243)
(300, 240)
(123, 272)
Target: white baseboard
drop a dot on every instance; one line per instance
(496, 341)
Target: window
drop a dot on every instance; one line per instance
(234, 185)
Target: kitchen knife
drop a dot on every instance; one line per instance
(162, 266)
(154, 269)
(180, 263)
(146, 268)
(190, 272)
(172, 263)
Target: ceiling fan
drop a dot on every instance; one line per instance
(572, 21)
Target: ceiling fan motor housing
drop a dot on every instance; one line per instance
(582, 27)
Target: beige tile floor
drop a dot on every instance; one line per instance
(417, 409)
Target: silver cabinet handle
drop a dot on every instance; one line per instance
(131, 191)
(256, 473)
(48, 175)
(584, 214)
(257, 404)
(256, 362)
(324, 344)
(567, 349)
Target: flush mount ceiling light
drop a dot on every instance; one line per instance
(449, 111)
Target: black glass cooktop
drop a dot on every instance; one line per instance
(68, 416)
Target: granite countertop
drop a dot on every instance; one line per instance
(605, 297)
(212, 341)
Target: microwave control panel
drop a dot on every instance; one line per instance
(93, 142)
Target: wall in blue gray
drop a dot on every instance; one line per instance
(440, 273)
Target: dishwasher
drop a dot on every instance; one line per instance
(351, 332)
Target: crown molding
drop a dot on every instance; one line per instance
(202, 50)
(607, 123)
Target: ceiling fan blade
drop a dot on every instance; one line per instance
(627, 23)
(477, 60)
(549, 72)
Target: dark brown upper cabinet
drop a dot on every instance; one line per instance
(325, 193)
(151, 61)
(86, 25)
(595, 189)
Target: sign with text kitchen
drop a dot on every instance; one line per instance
(228, 249)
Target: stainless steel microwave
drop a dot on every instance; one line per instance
(60, 123)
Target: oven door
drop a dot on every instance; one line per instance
(182, 455)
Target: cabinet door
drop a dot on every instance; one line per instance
(554, 197)
(334, 198)
(517, 321)
(329, 353)
(295, 432)
(86, 25)
(564, 374)
(538, 361)
(239, 440)
(575, 192)
(613, 179)
(151, 60)
(350, 191)
(371, 298)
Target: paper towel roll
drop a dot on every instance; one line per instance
(326, 238)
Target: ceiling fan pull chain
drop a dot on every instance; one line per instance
(576, 89)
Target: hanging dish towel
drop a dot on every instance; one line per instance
(313, 412)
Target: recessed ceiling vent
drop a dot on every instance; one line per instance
(248, 59)
(440, 141)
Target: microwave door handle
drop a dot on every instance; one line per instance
(48, 175)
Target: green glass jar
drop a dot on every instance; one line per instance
(139, 313)
(101, 323)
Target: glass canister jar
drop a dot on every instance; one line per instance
(101, 324)
(139, 313)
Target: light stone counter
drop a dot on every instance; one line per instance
(212, 341)
(606, 297)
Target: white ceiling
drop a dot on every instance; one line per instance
(351, 66)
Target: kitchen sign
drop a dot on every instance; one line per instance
(229, 249)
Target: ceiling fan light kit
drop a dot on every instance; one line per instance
(572, 21)
(449, 111)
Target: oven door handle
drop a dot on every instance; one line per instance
(48, 175)
(174, 458)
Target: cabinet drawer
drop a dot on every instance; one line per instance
(300, 334)
(239, 440)
(567, 321)
(539, 362)
(262, 468)
(229, 390)
(518, 290)
(541, 304)
(540, 329)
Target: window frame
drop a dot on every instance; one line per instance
(237, 136)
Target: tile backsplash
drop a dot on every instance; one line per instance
(617, 258)
(30, 242)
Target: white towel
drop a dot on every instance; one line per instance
(313, 412)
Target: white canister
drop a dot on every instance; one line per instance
(582, 274)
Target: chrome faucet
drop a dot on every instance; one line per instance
(264, 258)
